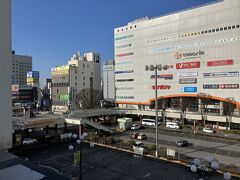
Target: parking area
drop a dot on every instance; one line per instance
(104, 163)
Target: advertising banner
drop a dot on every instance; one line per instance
(32, 80)
(220, 62)
(221, 74)
(210, 86)
(189, 89)
(188, 81)
(229, 86)
(188, 65)
(163, 76)
(33, 74)
(188, 73)
(162, 87)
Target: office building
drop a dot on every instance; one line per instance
(80, 77)
(5, 74)
(109, 81)
(21, 65)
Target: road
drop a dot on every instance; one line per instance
(101, 163)
(224, 152)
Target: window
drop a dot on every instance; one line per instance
(225, 28)
(209, 31)
(229, 27)
(213, 30)
(237, 26)
(135, 26)
(233, 27)
(83, 78)
(83, 84)
(83, 65)
(202, 32)
(205, 32)
(217, 29)
(221, 29)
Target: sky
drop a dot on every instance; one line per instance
(51, 31)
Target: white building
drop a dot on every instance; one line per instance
(200, 46)
(5, 74)
(81, 73)
(20, 66)
(109, 81)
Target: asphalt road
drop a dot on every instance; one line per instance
(101, 163)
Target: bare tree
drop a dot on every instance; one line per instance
(88, 98)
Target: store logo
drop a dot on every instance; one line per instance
(229, 86)
(162, 87)
(188, 81)
(220, 62)
(189, 55)
(188, 65)
(189, 89)
(163, 76)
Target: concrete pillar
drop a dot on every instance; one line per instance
(5, 74)
(221, 108)
(199, 105)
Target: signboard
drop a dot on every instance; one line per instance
(189, 55)
(171, 152)
(33, 74)
(188, 81)
(77, 158)
(189, 89)
(188, 65)
(18, 140)
(221, 74)
(188, 73)
(163, 76)
(138, 150)
(210, 86)
(32, 80)
(60, 68)
(220, 62)
(64, 97)
(60, 72)
(229, 86)
(162, 87)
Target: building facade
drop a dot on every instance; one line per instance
(198, 49)
(5, 73)
(81, 75)
(109, 81)
(21, 65)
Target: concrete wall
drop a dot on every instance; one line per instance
(5, 74)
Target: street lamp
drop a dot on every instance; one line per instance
(155, 68)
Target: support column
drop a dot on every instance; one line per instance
(221, 108)
(199, 105)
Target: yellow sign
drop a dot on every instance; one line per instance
(60, 72)
(32, 80)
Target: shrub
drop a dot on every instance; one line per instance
(152, 147)
(130, 142)
(118, 140)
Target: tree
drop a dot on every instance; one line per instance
(88, 98)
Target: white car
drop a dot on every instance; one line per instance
(141, 136)
(135, 126)
(29, 141)
(208, 130)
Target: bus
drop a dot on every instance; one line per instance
(149, 122)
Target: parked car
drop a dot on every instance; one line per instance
(29, 141)
(181, 143)
(138, 144)
(208, 130)
(135, 126)
(173, 125)
(134, 135)
(141, 136)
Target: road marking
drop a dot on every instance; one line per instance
(147, 175)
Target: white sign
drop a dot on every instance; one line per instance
(171, 152)
(188, 74)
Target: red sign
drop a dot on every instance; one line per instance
(229, 86)
(188, 65)
(220, 62)
(162, 87)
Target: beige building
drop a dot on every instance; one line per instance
(5, 74)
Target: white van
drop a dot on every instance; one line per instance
(173, 125)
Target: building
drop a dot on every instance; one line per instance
(5, 73)
(77, 84)
(21, 65)
(46, 95)
(198, 47)
(109, 81)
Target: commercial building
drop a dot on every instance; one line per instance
(76, 84)
(5, 74)
(199, 51)
(21, 65)
(109, 81)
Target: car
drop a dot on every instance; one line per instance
(141, 136)
(138, 144)
(29, 141)
(181, 143)
(134, 135)
(135, 126)
(208, 130)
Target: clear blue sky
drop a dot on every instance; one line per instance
(51, 31)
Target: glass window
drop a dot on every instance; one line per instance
(233, 27)
(202, 32)
(221, 29)
(225, 28)
(229, 27)
(213, 30)
(237, 26)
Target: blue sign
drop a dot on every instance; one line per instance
(33, 74)
(189, 89)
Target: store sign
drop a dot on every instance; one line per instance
(221, 74)
(64, 97)
(33, 74)
(188, 65)
(60, 72)
(188, 74)
(189, 89)
(163, 76)
(188, 81)
(210, 86)
(189, 55)
(229, 86)
(220, 62)
(162, 87)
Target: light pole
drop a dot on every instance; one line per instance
(155, 68)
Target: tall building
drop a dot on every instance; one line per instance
(109, 81)
(5, 74)
(198, 47)
(80, 77)
(21, 65)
